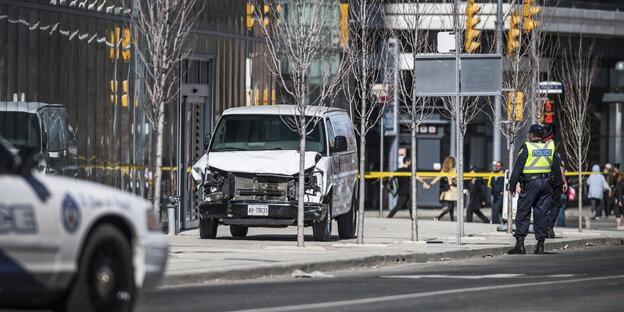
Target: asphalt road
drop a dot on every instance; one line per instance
(588, 279)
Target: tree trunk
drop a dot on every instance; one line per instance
(301, 191)
(360, 235)
(414, 186)
(158, 165)
(510, 219)
(580, 199)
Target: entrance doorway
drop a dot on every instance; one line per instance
(194, 121)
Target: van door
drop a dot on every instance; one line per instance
(334, 159)
(344, 193)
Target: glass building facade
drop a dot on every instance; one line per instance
(78, 55)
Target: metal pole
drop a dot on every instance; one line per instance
(381, 164)
(459, 158)
(535, 73)
(496, 135)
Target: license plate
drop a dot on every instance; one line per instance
(258, 210)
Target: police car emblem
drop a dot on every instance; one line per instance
(70, 214)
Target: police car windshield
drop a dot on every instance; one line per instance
(263, 132)
(21, 130)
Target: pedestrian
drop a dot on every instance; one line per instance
(404, 189)
(498, 188)
(559, 188)
(448, 188)
(532, 177)
(619, 199)
(561, 216)
(607, 202)
(598, 187)
(477, 198)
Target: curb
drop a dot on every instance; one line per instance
(369, 261)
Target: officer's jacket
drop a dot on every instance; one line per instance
(536, 162)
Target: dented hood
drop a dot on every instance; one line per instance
(266, 162)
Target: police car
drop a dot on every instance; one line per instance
(72, 245)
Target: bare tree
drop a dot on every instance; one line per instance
(414, 35)
(577, 71)
(364, 70)
(302, 55)
(165, 32)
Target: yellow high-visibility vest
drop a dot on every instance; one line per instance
(540, 157)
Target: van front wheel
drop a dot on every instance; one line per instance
(347, 222)
(208, 228)
(322, 228)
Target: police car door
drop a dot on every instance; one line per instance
(29, 245)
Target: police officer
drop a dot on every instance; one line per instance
(534, 169)
(560, 186)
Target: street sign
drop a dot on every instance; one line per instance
(446, 42)
(550, 87)
(481, 75)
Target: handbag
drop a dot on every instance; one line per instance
(571, 193)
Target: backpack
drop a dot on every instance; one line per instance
(393, 186)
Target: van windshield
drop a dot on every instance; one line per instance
(263, 132)
(21, 129)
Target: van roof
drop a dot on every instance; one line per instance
(26, 107)
(281, 109)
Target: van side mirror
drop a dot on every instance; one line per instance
(207, 137)
(340, 145)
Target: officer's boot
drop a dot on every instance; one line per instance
(539, 249)
(551, 233)
(519, 249)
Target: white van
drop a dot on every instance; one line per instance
(250, 172)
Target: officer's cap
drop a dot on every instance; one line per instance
(537, 130)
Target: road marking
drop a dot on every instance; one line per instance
(342, 303)
(454, 276)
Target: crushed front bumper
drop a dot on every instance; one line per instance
(280, 213)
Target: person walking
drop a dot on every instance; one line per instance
(598, 187)
(498, 188)
(477, 198)
(531, 177)
(448, 188)
(619, 199)
(607, 198)
(404, 189)
(559, 188)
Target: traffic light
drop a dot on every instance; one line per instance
(515, 105)
(513, 42)
(471, 34)
(126, 41)
(265, 12)
(528, 11)
(344, 24)
(249, 16)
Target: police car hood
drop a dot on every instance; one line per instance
(283, 162)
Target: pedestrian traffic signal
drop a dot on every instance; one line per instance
(513, 34)
(249, 16)
(515, 105)
(471, 34)
(528, 11)
(549, 112)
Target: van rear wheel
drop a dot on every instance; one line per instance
(347, 222)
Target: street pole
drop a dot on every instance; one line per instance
(535, 73)
(381, 164)
(496, 135)
(458, 136)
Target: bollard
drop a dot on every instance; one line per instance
(171, 220)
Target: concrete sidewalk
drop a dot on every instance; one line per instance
(271, 252)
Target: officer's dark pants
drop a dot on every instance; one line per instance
(536, 194)
(555, 205)
(402, 201)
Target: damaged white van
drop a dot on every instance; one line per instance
(250, 172)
